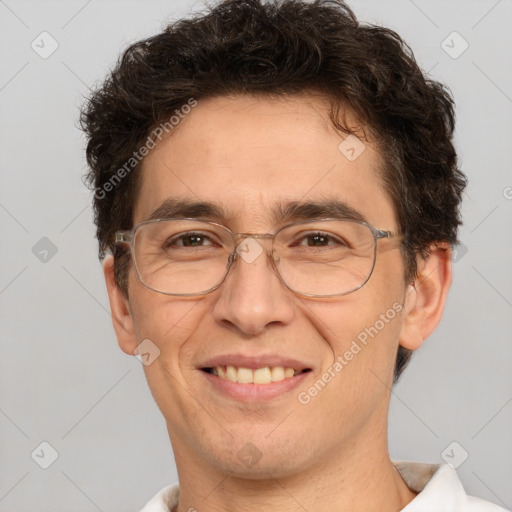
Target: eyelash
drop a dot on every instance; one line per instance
(182, 236)
(321, 234)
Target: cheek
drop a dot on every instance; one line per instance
(361, 321)
(167, 321)
(169, 324)
(362, 333)
(363, 327)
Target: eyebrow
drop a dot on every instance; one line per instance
(279, 213)
(183, 208)
(304, 210)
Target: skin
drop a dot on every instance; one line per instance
(247, 153)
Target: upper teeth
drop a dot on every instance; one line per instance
(260, 376)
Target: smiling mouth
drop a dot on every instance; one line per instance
(265, 375)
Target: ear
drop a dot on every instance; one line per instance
(120, 308)
(426, 296)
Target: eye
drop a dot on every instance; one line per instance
(317, 240)
(320, 239)
(192, 239)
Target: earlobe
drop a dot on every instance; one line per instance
(426, 297)
(120, 308)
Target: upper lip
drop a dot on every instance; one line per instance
(254, 362)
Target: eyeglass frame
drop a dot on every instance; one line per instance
(128, 237)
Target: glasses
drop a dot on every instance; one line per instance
(187, 257)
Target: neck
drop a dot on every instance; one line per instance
(351, 480)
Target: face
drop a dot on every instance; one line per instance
(246, 156)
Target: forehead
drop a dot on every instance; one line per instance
(251, 155)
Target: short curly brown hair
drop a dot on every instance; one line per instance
(280, 48)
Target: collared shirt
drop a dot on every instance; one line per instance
(438, 485)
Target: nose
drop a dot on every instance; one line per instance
(253, 297)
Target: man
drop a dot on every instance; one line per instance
(277, 194)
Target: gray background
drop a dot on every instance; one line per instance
(64, 380)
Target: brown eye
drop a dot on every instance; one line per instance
(317, 240)
(189, 240)
(320, 240)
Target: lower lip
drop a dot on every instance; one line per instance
(255, 392)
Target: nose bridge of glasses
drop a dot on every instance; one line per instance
(250, 252)
(237, 236)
